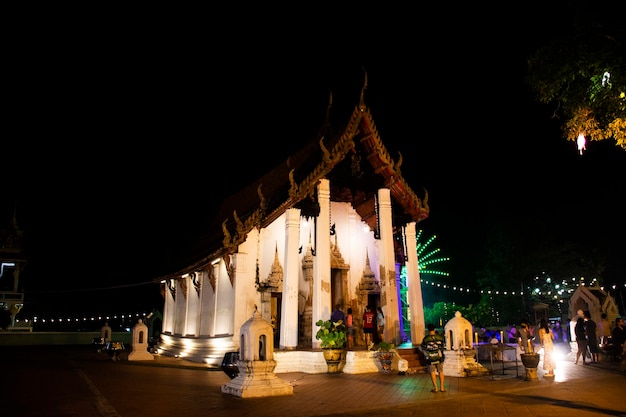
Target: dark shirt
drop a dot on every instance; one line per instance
(590, 328)
(432, 346)
(579, 331)
(338, 315)
(618, 336)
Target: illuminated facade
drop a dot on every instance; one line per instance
(333, 224)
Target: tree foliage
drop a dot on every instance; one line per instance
(582, 72)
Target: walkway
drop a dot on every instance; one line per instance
(77, 381)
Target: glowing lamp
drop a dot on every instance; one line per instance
(581, 143)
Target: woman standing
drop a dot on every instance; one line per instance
(380, 322)
(546, 338)
(581, 340)
(350, 326)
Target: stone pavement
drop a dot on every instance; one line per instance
(78, 381)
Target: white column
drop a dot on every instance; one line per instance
(321, 261)
(388, 287)
(416, 302)
(169, 310)
(291, 279)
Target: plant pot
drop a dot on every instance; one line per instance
(531, 361)
(230, 364)
(333, 359)
(385, 358)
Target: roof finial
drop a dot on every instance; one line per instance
(362, 102)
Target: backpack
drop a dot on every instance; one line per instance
(432, 348)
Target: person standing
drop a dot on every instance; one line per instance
(581, 340)
(380, 323)
(524, 337)
(592, 337)
(337, 315)
(618, 337)
(546, 337)
(350, 328)
(432, 346)
(368, 327)
(105, 335)
(604, 329)
(512, 334)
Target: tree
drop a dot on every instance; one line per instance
(583, 73)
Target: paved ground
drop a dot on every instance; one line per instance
(77, 381)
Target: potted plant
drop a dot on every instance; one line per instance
(333, 341)
(385, 353)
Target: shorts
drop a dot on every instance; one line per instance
(368, 330)
(432, 367)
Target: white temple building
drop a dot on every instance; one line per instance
(332, 224)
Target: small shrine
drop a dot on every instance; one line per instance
(256, 362)
(139, 344)
(460, 353)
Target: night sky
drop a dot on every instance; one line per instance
(124, 140)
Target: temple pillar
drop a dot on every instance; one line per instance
(289, 314)
(388, 285)
(416, 301)
(321, 265)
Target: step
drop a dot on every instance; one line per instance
(414, 357)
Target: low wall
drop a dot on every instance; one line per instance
(57, 338)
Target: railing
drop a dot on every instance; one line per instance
(17, 329)
(13, 297)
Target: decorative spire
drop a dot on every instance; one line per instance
(362, 101)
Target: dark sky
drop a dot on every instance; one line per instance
(124, 139)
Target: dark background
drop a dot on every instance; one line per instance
(125, 133)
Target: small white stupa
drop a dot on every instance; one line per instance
(139, 350)
(460, 353)
(256, 363)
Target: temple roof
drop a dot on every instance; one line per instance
(354, 159)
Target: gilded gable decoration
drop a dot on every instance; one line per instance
(293, 189)
(195, 279)
(227, 238)
(230, 269)
(171, 285)
(212, 277)
(239, 223)
(262, 200)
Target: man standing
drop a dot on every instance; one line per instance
(619, 337)
(592, 337)
(524, 338)
(432, 346)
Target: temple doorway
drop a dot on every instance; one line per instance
(276, 303)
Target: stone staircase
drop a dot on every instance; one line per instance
(415, 358)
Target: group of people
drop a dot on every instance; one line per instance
(373, 324)
(590, 335)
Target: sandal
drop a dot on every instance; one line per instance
(443, 390)
(433, 390)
